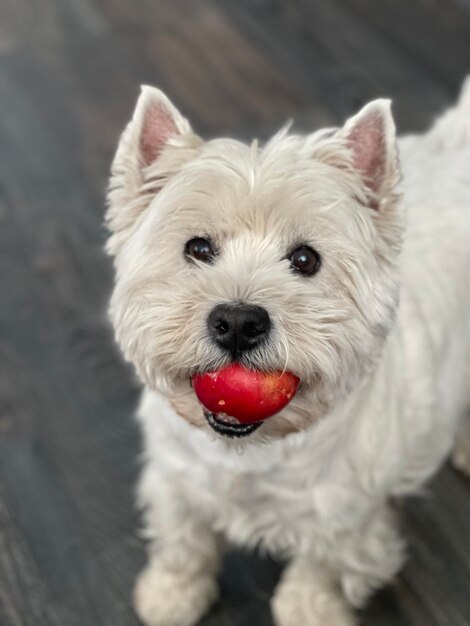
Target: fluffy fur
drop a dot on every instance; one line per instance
(380, 339)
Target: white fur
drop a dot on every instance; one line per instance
(380, 338)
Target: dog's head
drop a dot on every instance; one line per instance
(282, 257)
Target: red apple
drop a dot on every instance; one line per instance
(248, 395)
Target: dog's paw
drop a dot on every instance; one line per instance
(165, 598)
(298, 603)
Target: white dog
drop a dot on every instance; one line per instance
(364, 284)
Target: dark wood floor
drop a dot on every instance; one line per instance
(69, 75)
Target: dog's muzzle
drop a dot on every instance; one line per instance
(229, 429)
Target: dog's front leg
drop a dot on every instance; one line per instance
(363, 559)
(309, 594)
(179, 585)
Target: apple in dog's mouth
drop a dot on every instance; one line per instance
(237, 399)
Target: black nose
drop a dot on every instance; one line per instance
(238, 327)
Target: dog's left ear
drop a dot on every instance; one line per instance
(370, 136)
(155, 145)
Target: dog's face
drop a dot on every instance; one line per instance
(282, 257)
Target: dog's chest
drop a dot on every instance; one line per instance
(277, 501)
(251, 507)
(277, 495)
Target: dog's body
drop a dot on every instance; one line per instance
(376, 415)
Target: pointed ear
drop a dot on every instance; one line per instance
(370, 135)
(155, 145)
(157, 122)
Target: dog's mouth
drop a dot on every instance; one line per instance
(228, 426)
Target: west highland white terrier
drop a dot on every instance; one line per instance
(323, 257)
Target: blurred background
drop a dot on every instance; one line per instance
(70, 72)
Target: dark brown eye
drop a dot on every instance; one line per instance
(305, 260)
(200, 249)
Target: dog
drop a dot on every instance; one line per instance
(356, 250)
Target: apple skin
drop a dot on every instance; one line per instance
(248, 395)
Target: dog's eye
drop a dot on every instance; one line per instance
(305, 260)
(200, 249)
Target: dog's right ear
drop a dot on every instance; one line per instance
(156, 143)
